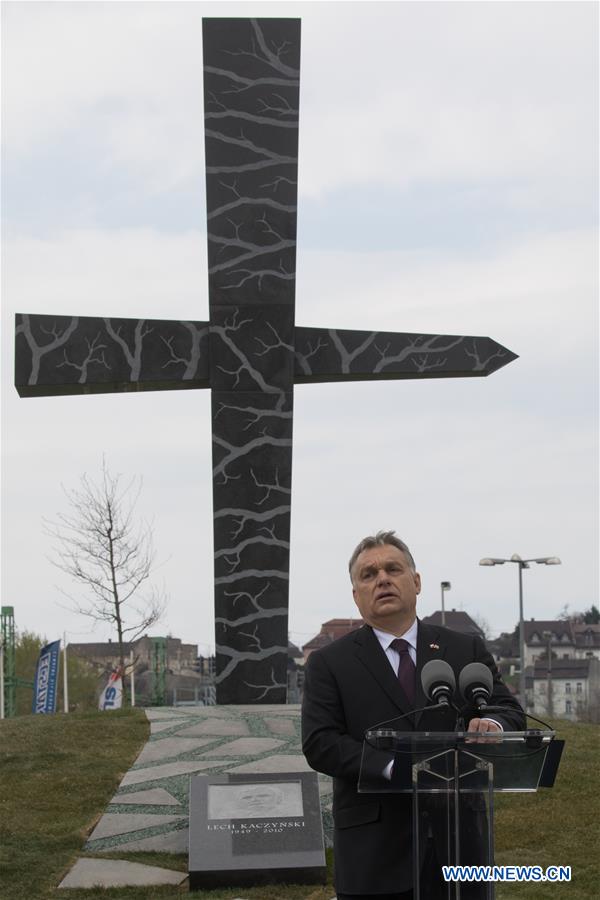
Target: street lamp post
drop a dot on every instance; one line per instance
(445, 586)
(522, 564)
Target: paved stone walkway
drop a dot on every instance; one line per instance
(150, 808)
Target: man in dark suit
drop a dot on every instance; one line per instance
(371, 676)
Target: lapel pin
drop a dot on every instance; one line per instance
(434, 646)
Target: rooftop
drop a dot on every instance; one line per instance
(456, 620)
(563, 668)
(560, 629)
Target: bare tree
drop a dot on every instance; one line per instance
(111, 557)
(483, 623)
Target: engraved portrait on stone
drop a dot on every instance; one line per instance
(255, 801)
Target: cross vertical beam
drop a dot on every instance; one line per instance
(251, 97)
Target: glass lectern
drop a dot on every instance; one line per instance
(452, 777)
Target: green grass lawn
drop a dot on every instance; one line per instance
(57, 775)
(560, 826)
(59, 772)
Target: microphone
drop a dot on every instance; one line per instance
(475, 683)
(438, 682)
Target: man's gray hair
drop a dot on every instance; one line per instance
(380, 540)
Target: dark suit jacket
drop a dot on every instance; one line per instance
(349, 687)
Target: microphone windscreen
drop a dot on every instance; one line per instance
(436, 671)
(475, 675)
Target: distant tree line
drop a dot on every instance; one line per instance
(590, 616)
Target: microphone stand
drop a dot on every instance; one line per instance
(412, 712)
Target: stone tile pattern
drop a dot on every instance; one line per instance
(90, 873)
(153, 797)
(188, 740)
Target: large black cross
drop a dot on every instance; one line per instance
(250, 353)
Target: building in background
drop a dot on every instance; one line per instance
(571, 689)
(567, 689)
(568, 640)
(185, 676)
(181, 657)
(587, 641)
(188, 679)
(330, 631)
(562, 640)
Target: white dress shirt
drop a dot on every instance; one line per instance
(386, 639)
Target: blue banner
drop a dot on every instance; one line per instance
(46, 679)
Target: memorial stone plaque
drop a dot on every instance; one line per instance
(255, 829)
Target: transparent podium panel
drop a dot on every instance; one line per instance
(451, 777)
(453, 822)
(517, 758)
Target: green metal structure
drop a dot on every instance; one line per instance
(8, 660)
(159, 671)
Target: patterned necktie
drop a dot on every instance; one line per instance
(406, 670)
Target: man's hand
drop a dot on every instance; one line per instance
(483, 725)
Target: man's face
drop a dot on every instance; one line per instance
(264, 799)
(385, 588)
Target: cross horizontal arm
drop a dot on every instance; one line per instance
(57, 355)
(334, 355)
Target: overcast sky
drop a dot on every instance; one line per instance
(447, 184)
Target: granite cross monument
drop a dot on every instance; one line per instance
(250, 353)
